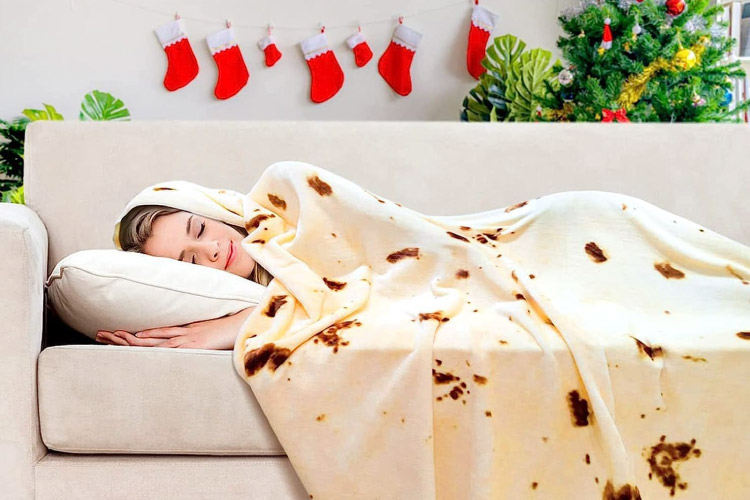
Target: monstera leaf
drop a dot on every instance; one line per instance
(502, 55)
(526, 83)
(485, 102)
(507, 90)
(48, 113)
(103, 106)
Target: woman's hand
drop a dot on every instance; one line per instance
(217, 334)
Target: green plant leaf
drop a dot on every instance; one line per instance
(48, 113)
(526, 83)
(100, 106)
(16, 196)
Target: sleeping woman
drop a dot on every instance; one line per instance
(178, 234)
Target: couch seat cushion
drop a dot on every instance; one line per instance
(121, 399)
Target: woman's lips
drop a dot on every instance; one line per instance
(230, 254)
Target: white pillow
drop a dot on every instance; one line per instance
(115, 290)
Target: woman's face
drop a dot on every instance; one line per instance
(193, 238)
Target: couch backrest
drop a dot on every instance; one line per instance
(80, 175)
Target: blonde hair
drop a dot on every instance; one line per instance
(136, 227)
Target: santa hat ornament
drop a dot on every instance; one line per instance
(482, 23)
(182, 66)
(233, 73)
(607, 36)
(395, 63)
(326, 75)
(362, 51)
(268, 45)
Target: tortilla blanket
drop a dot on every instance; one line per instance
(523, 352)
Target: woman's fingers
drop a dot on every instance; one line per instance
(110, 338)
(136, 341)
(176, 341)
(161, 333)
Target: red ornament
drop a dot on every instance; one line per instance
(620, 115)
(675, 7)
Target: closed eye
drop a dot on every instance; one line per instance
(203, 226)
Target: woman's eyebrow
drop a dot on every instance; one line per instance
(187, 231)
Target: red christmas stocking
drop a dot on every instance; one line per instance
(182, 67)
(362, 51)
(233, 74)
(482, 24)
(327, 77)
(268, 46)
(395, 63)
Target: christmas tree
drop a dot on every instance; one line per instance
(645, 61)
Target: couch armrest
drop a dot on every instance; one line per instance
(23, 268)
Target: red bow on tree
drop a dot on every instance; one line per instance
(620, 115)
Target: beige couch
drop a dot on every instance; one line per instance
(93, 421)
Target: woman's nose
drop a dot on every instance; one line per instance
(214, 251)
(211, 251)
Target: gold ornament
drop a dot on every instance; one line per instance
(626, 46)
(635, 85)
(685, 59)
(601, 51)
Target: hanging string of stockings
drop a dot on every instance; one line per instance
(326, 75)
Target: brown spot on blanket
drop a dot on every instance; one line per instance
(651, 352)
(267, 354)
(456, 392)
(274, 305)
(164, 189)
(520, 296)
(330, 337)
(464, 228)
(334, 285)
(595, 253)
(579, 409)
(744, 335)
(694, 358)
(276, 201)
(255, 221)
(443, 378)
(401, 254)
(462, 274)
(437, 315)
(322, 188)
(480, 379)
(516, 206)
(321, 417)
(457, 236)
(625, 492)
(662, 458)
(666, 269)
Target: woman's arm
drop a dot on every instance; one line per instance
(217, 334)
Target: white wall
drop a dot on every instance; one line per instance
(55, 51)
